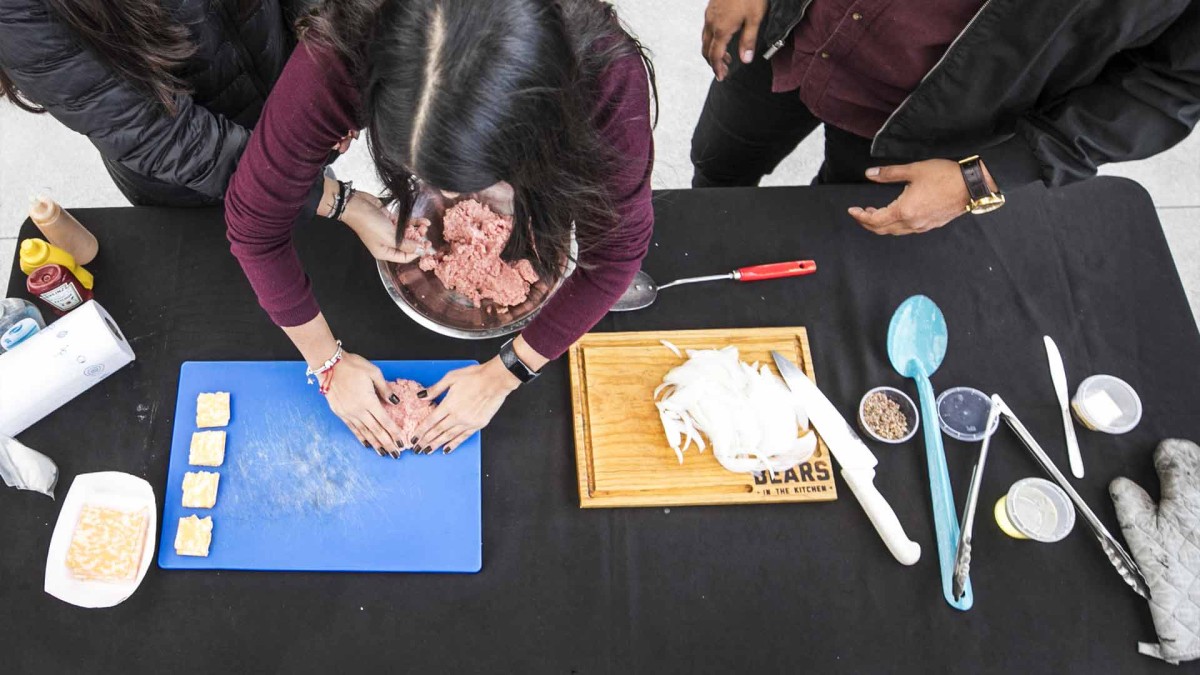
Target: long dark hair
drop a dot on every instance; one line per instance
(137, 38)
(465, 94)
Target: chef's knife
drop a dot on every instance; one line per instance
(1059, 374)
(857, 462)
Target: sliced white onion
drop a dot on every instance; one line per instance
(752, 421)
(673, 348)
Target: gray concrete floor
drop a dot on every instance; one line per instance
(40, 154)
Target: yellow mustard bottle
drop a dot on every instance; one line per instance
(37, 252)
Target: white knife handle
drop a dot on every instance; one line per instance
(862, 484)
(1073, 454)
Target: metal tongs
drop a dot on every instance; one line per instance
(1117, 555)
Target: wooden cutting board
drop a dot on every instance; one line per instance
(620, 448)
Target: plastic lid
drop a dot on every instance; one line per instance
(963, 412)
(1039, 510)
(18, 332)
(1106, 403)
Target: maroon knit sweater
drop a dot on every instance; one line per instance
(315, 103)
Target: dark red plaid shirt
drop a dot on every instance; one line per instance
(853, 62)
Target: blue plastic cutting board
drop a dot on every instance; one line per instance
(299, 492)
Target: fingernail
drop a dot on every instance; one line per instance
(873, 171)
(366, 444)
(379, 451)
(414, 440)
(395, 454)
(394, 399)
(423, 393)
(854, 210)
(399, 444)
(447, 450)
(429, 450)
(747, 56)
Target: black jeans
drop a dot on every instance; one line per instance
(745, 131)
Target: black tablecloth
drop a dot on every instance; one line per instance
(705, 589)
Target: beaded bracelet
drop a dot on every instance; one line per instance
(327, 366)
(342, 199)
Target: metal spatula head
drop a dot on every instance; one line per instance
(641, 293)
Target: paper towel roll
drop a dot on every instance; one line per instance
(62, 361)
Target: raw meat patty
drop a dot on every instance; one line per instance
(410, 411)
(473, 267)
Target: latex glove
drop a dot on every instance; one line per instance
(934, 195)
(374, 225)
(722, 19)
(473, 395)
(1164, 539)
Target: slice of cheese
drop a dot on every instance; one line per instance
(200, 489)
(212, 410)
(107, 544)
(207, 449)
(194, 536)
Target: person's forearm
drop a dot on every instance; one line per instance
(314, 340)
(528, 355)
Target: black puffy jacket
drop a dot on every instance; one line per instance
(155, 156)
(1046, 89)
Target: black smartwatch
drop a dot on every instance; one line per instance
(508, 356)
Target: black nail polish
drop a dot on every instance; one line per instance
(446, 450)
(414, 440)
(423, 393)
(428, 450)
(378, 451)
(395, 454)
(366, 444)
(394, 399)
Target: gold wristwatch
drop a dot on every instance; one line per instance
(982, 199)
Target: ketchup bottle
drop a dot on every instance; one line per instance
(56, 286)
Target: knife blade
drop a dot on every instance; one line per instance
(1058, 373)
(857, 462)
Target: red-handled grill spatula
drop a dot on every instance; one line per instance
(643, 291)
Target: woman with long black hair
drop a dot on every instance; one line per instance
(543, 105)
(167, 90)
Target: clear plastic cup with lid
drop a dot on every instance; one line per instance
(1036, 509)
(963, 413)
(1106, 403)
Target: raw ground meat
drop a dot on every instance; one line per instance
(410, 411)
(473, 267)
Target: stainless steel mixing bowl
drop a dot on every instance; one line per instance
(423, 297)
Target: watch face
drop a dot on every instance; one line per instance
(987, 204)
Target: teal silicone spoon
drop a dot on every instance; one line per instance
(916, 345)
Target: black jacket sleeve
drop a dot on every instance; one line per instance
(193, 148)
(1145, 101)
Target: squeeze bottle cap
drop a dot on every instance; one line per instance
(37, 252)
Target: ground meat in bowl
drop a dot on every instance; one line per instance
(472, 266)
